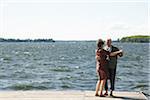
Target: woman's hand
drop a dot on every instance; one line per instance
(97, 57)
(120, 51)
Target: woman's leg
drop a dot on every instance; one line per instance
(102, 84)
(97, 87)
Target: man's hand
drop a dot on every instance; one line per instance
(121, 54)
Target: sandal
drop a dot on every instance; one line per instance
(102, 95)
(106, 94)
(111, 93)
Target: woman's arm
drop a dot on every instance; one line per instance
(97, 57)
(97, 66)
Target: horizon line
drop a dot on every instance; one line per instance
(56, 39)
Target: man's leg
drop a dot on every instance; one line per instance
(112, 80)
(106, 84)
(106, 88)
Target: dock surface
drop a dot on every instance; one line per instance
(68, 95)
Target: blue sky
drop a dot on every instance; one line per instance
(73, 19)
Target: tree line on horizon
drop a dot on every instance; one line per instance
(26, 40)
(136, 38)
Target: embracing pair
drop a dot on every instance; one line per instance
(106, 62)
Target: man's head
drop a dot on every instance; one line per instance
(109, 42)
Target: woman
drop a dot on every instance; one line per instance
(102, 57)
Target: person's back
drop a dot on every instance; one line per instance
(103, 58)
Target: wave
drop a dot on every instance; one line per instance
(66, 86)
(26, 87)
(140, 86)
(6, 59)
(61, 69)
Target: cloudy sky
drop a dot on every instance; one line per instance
(73, 19)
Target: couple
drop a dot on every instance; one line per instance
(106, 62)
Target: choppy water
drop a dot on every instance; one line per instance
(69, 66)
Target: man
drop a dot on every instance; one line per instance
(112, 65)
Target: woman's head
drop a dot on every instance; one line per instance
(100, 43)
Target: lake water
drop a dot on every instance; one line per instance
(69, 66)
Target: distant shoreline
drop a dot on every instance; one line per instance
(130, 39)
(26, 40)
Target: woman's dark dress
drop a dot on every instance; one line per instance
(102, 64)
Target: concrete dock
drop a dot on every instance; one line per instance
(68, 95)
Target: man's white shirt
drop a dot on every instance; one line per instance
(108, 48)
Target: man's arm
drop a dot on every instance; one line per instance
(120, 54)
(116, 53)
(116, 49)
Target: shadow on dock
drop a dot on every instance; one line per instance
(126, 98)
